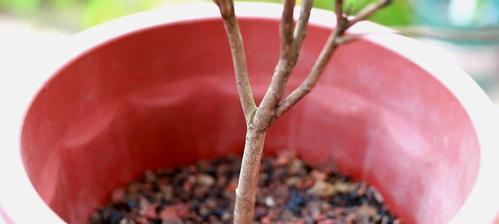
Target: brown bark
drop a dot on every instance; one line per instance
(291, 43)
(248, 176)
(259, 119)
(335, 39)
(312, 78)
(238, 58)
(368, 11)
(301, 27)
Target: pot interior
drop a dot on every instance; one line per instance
(166, 96)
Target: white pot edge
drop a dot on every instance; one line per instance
(480, 207)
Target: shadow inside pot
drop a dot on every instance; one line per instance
(165, 96)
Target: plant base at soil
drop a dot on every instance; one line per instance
(290, 191)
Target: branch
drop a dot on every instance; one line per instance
(301, 28)
(286, 27)
(287, 60)
(335, 39)
(368, 11)
(339, 11)
(312, 78)
(238, 57)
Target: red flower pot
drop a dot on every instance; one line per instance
(157, 90)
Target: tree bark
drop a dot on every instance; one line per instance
(260, 118)
(248, 176)
(238, 58)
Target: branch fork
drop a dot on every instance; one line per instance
(274, 104)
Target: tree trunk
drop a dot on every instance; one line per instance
(248, 176)
(260, 118)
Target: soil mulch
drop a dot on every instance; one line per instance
(290, 192)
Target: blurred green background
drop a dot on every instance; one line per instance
(468, 29)
(80, 14)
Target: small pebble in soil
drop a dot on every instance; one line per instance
(290, 191)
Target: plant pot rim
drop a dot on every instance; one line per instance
(478, 208)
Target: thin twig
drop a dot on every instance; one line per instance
(260, 118)
(368, 11)
(287, 26)
(301, 28)
(312, 78)
(287, 60)
(289, 56)
(226, 8)
(238, 58)
(339, 11)
(335, 39)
